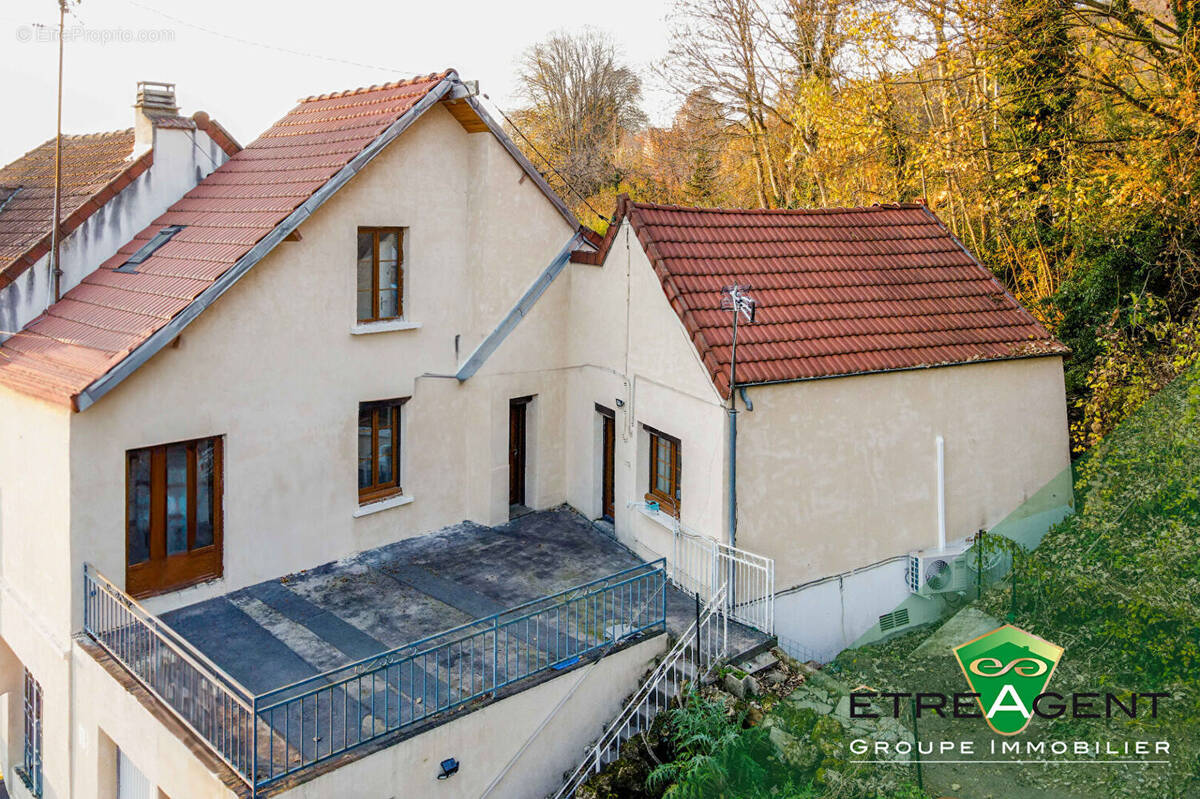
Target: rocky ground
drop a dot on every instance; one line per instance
(806, 715)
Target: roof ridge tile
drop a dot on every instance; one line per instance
(432, 76)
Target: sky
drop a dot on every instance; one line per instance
(246, 63)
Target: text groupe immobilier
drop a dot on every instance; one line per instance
(863, 746)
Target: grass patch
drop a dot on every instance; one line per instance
(1118, 586)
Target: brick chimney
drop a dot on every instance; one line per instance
(154, 100)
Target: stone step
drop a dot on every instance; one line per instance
(758, 663)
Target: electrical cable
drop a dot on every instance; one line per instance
(539, 153)
(332, 59)
(264, 45)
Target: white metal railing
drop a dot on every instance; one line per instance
(701, 647)
(701, 565)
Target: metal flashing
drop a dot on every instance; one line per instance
(519, 311)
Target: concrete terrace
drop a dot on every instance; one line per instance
(281, 631)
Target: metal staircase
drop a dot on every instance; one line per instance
(701, 647)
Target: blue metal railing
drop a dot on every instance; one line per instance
(211, 703)
(267, 737)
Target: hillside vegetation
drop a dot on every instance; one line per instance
(1058, 139)
(1118, 583)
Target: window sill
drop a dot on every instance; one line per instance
(25, 780)
(387, 326)
(382, 504)
(657, 516)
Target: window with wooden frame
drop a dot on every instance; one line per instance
(379, 450)
(665, 466)
(173, 515)
(380, 273)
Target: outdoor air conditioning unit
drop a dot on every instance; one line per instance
(940, 571)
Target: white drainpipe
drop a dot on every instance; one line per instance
(941, 493)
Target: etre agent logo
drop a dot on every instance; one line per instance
(1008, 668)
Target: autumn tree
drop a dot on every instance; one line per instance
(580, 102)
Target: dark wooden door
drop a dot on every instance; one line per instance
(607, 466)
(516, 452)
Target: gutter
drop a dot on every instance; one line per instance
(1000, 359)
(168, 332)
(519, 311)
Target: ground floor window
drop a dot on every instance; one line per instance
(173, 515)
(131, 782)
(379, 450)
(665, 468)
(31, 761)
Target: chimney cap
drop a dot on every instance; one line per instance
(156, 96)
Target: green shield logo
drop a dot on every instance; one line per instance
(1008, 668)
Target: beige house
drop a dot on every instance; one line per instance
(891, 398)
(377, 321)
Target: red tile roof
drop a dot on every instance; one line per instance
(101, 321)
(96, 167)
(840, 291)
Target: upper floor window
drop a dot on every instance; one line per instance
(378, 450)
(173, 515)
(380, 273)
(665, 467)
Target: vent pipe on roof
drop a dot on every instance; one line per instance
(154, 100)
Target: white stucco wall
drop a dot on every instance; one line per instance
(627, 344)
(108, 716)
(501, 736)
(836, 478)
(273, 367)
(34, 573)
(833, 474)
(836, 474)
(182, 158)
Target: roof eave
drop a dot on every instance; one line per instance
(915, 368)
(461, 92)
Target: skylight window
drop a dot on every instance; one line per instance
(147, 249)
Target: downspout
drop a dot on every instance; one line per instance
(733, 460)
(732, 473)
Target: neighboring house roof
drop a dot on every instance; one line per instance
(114, 321)
(840, 291)
(95, 168)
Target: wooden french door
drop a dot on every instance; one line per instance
(517, 455)
(173, 516)
(608, 462)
